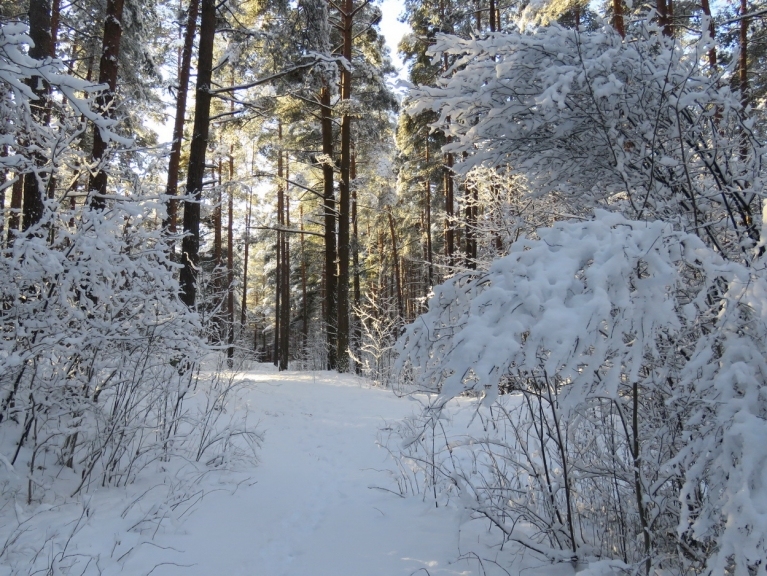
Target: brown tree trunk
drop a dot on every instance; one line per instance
(305, 304)
(356, 267)
(110, 56)
(743, 57)
(329, 205)
(218, 227)
(40, 32)
(706, 7)
(171, 188)
(449, 209)
(14, 218)
(190, 245)
(618, 23)
(470, 214)
(285, 251)
(278, 292)
(344, 196)
(493, 23)
(230, 265)
(397, 275)
(55, 23)
(429, 250)
(244, 307)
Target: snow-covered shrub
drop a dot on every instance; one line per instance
(26, 138)
(630, 364)
(642, 126)
(98, 356)
(379, 324)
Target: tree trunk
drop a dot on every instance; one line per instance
(190, 245)
(304, 303)
(171, 188)
(743, 57)
(395, 257)
(470, 211)
(40, 32)
(230, 265)
(706, 7)
(278, 292)
(55, 23)
(344, 196)
(329, 205)
(618, 23)
(285, 299)
(429, 251)
(356, 267)
(218, 227)
(449, 210)
(110, 56)
(244, 307)
(14, 218)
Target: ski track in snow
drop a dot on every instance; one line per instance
(309, 509)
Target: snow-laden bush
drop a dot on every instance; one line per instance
(639, 126)
(630, 362)
(98, 356)
(24, 137)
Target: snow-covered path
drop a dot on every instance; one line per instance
(322, 502)
(311, 508)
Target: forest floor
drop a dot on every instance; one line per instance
(322, 501)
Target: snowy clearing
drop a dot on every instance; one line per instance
(317, 504)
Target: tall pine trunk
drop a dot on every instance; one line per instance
(278, 292)
(230, 265)
(329, 205)
(40, 32)
(110, 56)
(429, 249)
(284, 352)
(357, 340)
(190, 245)
(174, 161)
(347, 17)
(244, 307)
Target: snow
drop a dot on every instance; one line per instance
(322, 501)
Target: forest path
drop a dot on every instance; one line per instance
(310, 509)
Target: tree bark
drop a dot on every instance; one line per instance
(244, 307)
(14, 218)
(470, 214)
(174, 161)
(356, 267)
(40, 32)
(449, 209)
(344, 196)
(285, 299)
(230, 265)
(190, 245)
(218, 227)
(329, 205)
(110, 56)
(278, 292)
(743, 57)
(618, 23)
(304, 302)
(429, 250)
(397, 275)
(706, 7)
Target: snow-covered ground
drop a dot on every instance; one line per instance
(321, 502)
